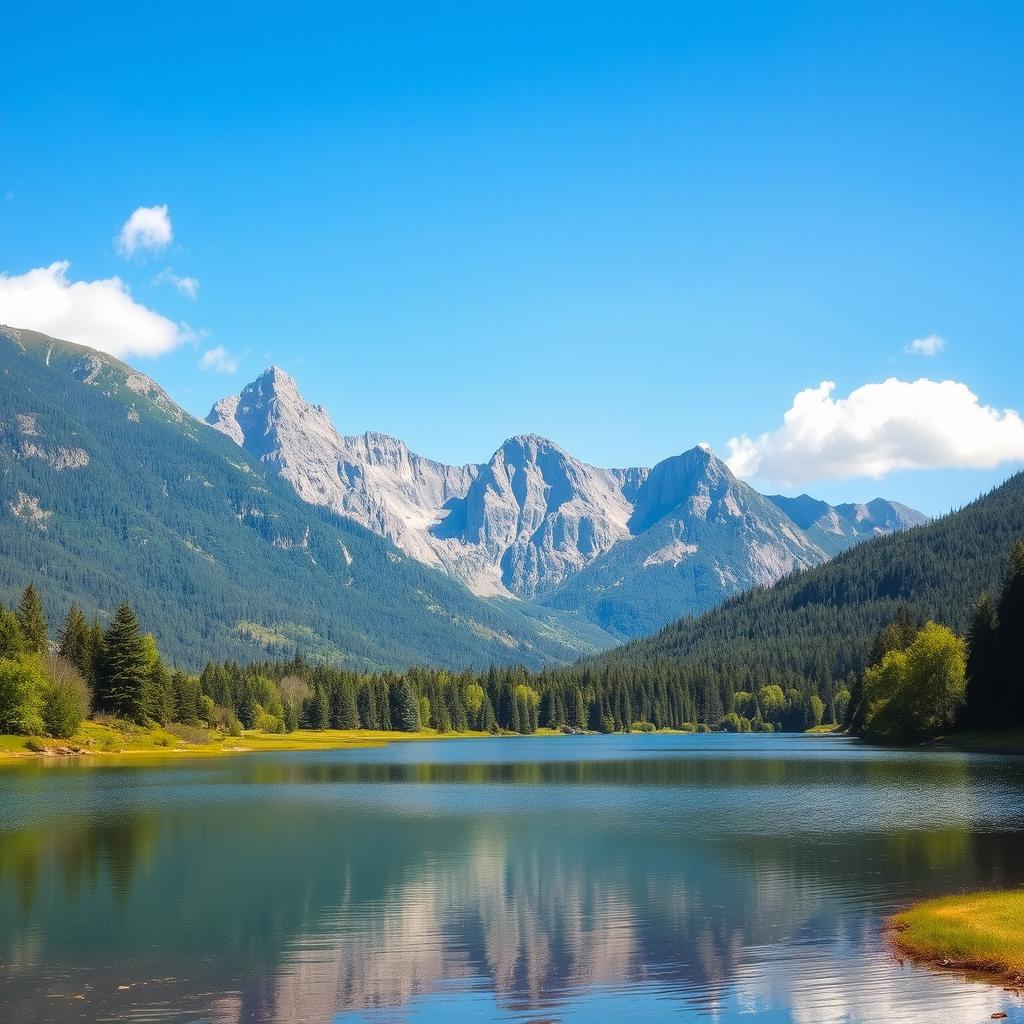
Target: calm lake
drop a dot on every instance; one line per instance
(536, 879)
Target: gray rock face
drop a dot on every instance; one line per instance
(537, 523)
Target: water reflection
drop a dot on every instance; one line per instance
(303, 887)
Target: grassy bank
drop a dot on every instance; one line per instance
(119, 738)
(981, 932)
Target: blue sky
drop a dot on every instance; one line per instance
(629, 228)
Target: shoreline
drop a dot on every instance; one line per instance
(102, 742)
(980, 934)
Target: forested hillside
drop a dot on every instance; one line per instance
(110, 492)
(819, 624)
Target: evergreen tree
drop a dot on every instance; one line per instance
(344, 714)
(404, 709)
(32, 621)
(124, 668)
(12, 646)
(73, 641)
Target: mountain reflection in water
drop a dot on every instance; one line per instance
(542, 879)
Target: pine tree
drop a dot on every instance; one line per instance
(32, 621)
(124, 668)
(73, 641)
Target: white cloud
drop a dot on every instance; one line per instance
(879, 428)
(218, 360)
(149, 227)
(101, 314)
(930, 346)
(186, 285)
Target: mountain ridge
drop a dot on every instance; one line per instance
(533, 520)
(110, 491)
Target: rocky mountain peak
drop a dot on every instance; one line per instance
(533, 518)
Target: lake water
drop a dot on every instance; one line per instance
(704, 878)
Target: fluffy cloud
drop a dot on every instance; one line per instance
(921, 424)
(930, 346)
(186, 285)
(149, 227)
(218, 360)
(101, 314)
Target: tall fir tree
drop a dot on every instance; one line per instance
(405, 714)
(32, 621)
(73, 641)
(125, 668)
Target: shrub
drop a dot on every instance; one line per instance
(642, 727)
(65, 696)
(188, 733)
(266, 722)
(36, 746)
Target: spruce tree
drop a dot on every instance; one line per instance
(73, 641)
(405, 713)
(32, 621)
(124, 668)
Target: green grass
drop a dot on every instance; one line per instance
(978, 931)
(115, 738)
(825, 728)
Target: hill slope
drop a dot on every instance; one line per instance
(110, 491)
(819, 623)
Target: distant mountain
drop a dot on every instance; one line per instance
(630, 549)
(110, 491)
(819, 624)
(835, 528)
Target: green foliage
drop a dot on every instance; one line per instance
(21, 697)
(12, 646)
(917, 692)
(65, 698)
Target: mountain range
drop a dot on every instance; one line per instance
(629, 549)
(109, 491)
(273, 532)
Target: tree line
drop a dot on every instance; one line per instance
(921, 678)
(924, 680)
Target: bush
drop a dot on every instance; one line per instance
(66, 698)
(21, 698)
(188, 733)
(36, 746)
(266, 722)
(642, 727)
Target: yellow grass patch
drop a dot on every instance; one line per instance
(978, 931)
